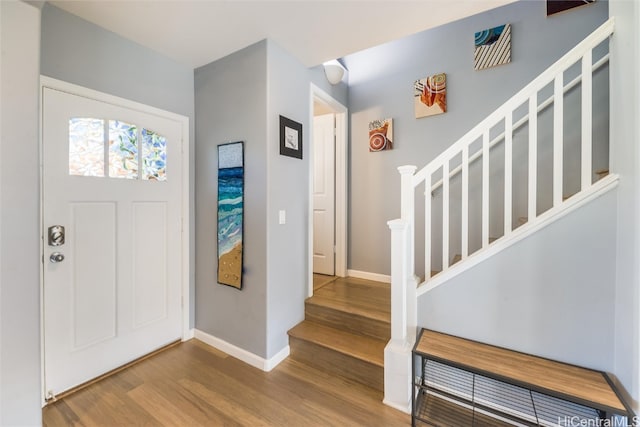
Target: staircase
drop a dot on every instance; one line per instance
(346, 327)
(514, 173)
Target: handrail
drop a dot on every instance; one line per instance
(547, 76)
(404, 283)
(517, 125)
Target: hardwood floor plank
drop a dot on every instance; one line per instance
(359, 296)
(96, 408)
(225, 403)
(203, 412)
(319, 280)
(193, 384)
(148, 397)
(59, 414)
(364, 401)
(285, 390)
(252, 390)
(318, 312)
(363, 348)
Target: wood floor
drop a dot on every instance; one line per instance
(319, 280)
(345, 330)
(192, 384)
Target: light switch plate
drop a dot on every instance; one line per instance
(282, 217)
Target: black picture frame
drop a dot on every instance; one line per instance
(290, 138)
(557, 6)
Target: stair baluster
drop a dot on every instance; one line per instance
(403, 269)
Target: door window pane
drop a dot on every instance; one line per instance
(123, 150)
(154, 156)
(123, 143)
(86, 146)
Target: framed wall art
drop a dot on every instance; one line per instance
(381, 135)
(557, 6)
(290, 138)
(430, 95)
(230, 213)
(492, 47)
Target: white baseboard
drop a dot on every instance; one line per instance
(247, 357)
(369, 276)
(188, 334)
(403, 408)
(276, 359)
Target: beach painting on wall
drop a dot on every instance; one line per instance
(430, 95)
(230, 213)
(492, 47)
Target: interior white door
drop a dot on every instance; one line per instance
(112, 292)
(324, 194)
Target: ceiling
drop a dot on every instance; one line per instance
(196, 32)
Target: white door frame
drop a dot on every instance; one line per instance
(70, 88)
(341, 184)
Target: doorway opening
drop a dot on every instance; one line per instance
(327, 189)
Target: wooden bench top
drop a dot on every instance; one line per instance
(573, 383)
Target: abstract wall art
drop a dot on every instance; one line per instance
(381, 135)
(493, 47)
(430, 95)
(230, 213)
(555, 6)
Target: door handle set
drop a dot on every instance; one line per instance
(56, 238)
(56, 257)
(56, 235)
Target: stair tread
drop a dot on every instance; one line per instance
(350, 308)
(356, 296)
(358, 346)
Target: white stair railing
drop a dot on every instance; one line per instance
(457, 160)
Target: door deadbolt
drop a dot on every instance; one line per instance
(56, 257)
(56, 235)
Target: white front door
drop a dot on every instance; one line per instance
(112, 177)
(324, 194)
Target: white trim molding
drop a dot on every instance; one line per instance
(384, 278)
(601, 187)
(247, 357)
(188, 334)
(341, 185)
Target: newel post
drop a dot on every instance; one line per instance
(407, 194)
(397, 353)
(407, 213)
(399, 274)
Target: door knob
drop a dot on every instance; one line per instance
(56, 257)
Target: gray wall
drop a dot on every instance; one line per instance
(339, 92)
(381, 81)
(19, 216)
(551, 294)
(240, 98)
(231, 105)
(288, 190)
(625, 159)
(79, 52)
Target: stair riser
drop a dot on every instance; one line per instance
(337, 363)
(349, 322)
